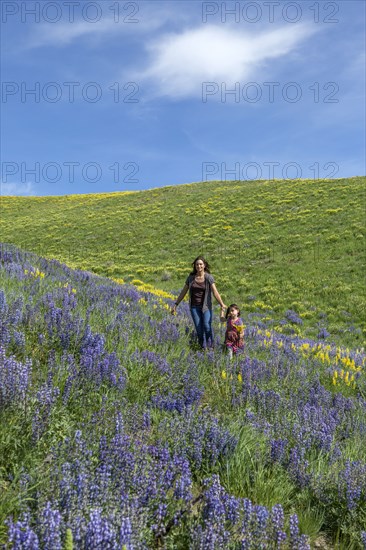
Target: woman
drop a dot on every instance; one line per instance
(200, 284)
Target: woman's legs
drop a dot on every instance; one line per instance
(207, 328)
(202, 323)
(197, 317)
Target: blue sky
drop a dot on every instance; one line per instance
(135, 95)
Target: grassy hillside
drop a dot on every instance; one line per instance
(274, 246)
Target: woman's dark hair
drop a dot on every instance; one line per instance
(228, 310)
(207, 267)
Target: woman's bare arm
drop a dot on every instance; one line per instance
(180, 297)
(182, 294)
(217, 295)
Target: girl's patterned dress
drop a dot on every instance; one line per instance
(234, 335)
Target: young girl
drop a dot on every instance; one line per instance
(234, 335)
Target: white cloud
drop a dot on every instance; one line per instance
(180, 62)
(7, 189)
(62, 34)
(146, 20)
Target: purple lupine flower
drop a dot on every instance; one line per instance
(96, 364)
(2, 302)
(166, 331)
(214, 534)
(297, 541)
(352, 484)
(14, 379)
(160, 518)
(146, 422)
(293, 317)
(259, 529)
(294, 531)
(66, 489)
(304, 543)
(15, 311)
(19, 340)
(247, 517)
(50, 523)
(99, 533)
(297, 466)
(232, 508)
(183, 484)
(46, 397)
(21, 536)
(278, 449)
(67, 389)
(277, 519)
(246, 536)
(323, 333)
(125, 533)
(158, 361)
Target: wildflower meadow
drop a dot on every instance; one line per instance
(117, 433)
(274, 245)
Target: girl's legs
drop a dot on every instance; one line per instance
(197, 317)
(207, 328)
(230, 352)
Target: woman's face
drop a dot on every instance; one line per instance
(200, 266)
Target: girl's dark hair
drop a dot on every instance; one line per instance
(228, 310)
(207, 267)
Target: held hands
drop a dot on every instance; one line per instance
(222, 313)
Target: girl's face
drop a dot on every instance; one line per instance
(200, 266)
(233, 312)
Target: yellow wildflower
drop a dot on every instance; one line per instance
(119, 281)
